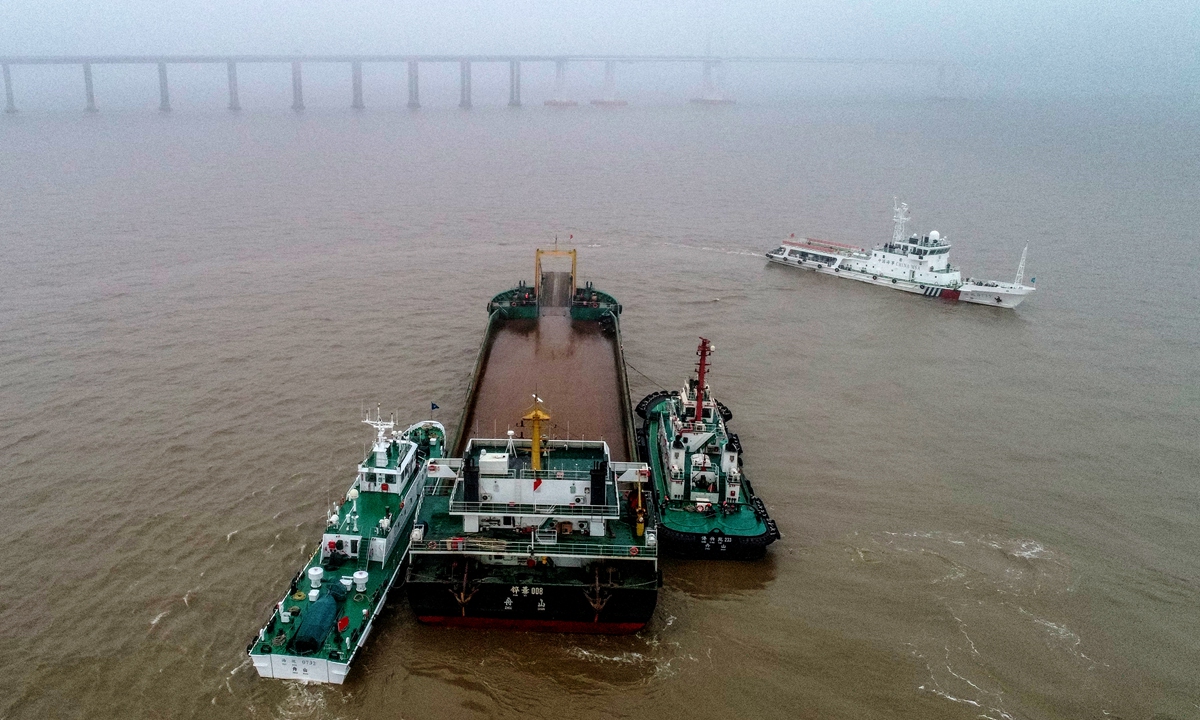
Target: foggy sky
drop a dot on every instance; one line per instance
(1102, 46)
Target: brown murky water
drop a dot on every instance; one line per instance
(985, 514)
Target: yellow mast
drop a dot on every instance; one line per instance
(536, 416)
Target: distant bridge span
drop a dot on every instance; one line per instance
(710, 94)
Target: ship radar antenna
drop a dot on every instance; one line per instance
(381, 426)
(900, 219)
(1021, 267)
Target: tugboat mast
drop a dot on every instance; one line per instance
(703, 351)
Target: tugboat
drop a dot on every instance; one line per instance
(914, 264)
(706, 505)
(535, 534)
(317, 628)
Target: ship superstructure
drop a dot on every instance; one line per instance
(315, 631)
(915, 264)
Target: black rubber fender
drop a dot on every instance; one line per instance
(644, 405)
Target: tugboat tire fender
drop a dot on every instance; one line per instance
(644, 405)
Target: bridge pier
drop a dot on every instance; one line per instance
(464, 99)
(87, 87)
(560, 99)
(609, 98)
(9, 105)
(297, 88)
(514, 83)
(164, 96)
(233, 88)
(711, 94)
(356, 82)
(414, 86)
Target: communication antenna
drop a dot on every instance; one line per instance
(900, 219)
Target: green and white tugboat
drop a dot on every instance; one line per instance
(706, 505)
(325, 617)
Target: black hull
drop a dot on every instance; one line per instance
(530, 604)
(714, 546)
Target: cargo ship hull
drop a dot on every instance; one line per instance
(531, 603)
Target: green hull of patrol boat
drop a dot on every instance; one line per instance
(315, 631)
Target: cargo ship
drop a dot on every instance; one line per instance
(915, 264)
(316, 630)
(541, 518)
(706, 505)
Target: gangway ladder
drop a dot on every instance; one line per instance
(364, 550)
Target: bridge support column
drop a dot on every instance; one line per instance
(356, 81)
(464, 100)
(233, 88)
(560, 99)
(297, 88)
(414, 86)
(9, 105)
(164, 96)
(514, 83)
(609, 98)
(711, 93)
(87, 87)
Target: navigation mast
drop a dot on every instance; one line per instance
(900, 219)
(703, 351)
(1021, 267)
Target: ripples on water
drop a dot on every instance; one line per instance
(985, 514)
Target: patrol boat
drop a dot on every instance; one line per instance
(706, 505)
(916, 264)
(317, 628)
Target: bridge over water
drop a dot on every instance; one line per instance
(710, 94)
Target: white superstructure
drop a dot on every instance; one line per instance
(916, 264)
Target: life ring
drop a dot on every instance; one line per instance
(893, 281)
(874, 277)
(922, 287)
(837, 269)
(431, 545)
(633, 551)
(595, 304)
